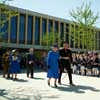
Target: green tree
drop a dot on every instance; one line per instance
(85, 19)
(50, 38)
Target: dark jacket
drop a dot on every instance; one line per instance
(30, 58)
(65, 53)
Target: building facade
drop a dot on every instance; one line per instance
(27, 29)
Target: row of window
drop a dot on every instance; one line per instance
(30, 29)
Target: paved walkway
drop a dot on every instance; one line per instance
(37, 88)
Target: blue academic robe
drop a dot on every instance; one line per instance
(53, 69)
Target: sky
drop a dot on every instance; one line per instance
(58, 8)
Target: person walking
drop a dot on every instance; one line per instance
(65, 62)
(53, 65)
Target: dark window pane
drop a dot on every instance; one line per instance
(56, 27)
(37, 31)
(50, 27)
(22, 29)
(13, 30)
(72, 40)
(67, 33)
(67, 37)
(30, 30)
(62, 33)
(4, 29)
(43, 27)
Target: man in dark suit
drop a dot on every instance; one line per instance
(30, 63)
(65, 62)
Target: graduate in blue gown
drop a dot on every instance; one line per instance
(53, 65)
(14, 64)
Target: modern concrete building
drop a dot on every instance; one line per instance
(27, 29)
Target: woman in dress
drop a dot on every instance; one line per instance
(14, 65)
(53, 65)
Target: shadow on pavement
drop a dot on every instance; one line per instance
(51, 97)
(17, 80)
(77, 89)
(3, 92)
(1, 73)
(39, 78)
(21, 80)
(7, 96)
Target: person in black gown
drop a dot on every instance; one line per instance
(65, 62)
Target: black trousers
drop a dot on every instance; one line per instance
(30, 70)
(69, 71)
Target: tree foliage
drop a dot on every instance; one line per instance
(85, 19)
(84, 15)
(50, 38)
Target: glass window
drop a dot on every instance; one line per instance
(67, 28)
(62, 33)
(56, 27)
(30, 30)
(67, 37)
(37, 31)
(50, 27)
(22, 29)
(13, 30)
(67, 33)
(44, 27)
(4, 29)
(72, 40)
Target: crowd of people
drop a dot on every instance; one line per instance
(12, 62)
(86, 64)
(56, 61)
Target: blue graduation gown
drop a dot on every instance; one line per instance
(53, 70)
